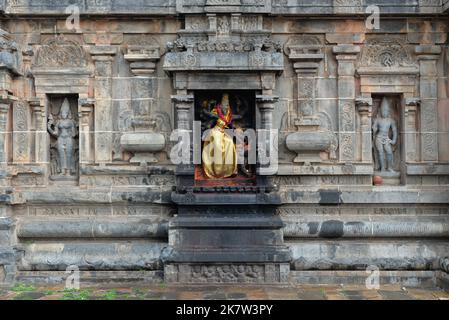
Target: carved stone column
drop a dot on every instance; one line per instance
(86, 109)
(103, 57)
(346, 56)
(265, 103)
(428, 88)
(184, 108)
(4, 110)
(410, 134)
(40, 138)
(365, 109)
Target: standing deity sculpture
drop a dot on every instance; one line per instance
(383, 143)
(64, 130)
(219, 152)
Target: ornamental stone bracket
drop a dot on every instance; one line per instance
(312, 136)
(142, 59)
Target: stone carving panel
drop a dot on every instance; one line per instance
(60, 52)
(21, 134)
(385, 52)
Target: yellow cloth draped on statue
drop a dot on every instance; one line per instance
(219, 153)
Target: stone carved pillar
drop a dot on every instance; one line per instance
(103, 57)
(184, 106)
(40, 137)
(86, 109)
(410, 134)
(346, 56)
(265, 103)
(365, 109)
(4, 110)
(428, 88)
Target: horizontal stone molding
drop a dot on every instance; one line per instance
(88, 228)
(173, 7)
(323, 169)
(364, 195)
(91, 256)
(409, 279)
(359, 254)
(426, 169)
(130, 277)
(366, 226)
(97, 196)
(224, 61)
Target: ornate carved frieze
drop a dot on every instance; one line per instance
(60, 52)
(224, 54)
(227, 273)
(387, 54)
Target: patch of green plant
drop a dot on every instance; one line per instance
(110, 295)
(323, 293)
(48, 292)
(73, 294)
(22, 287)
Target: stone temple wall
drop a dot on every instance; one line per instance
(127, 77)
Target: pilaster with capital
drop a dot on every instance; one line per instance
(346, 56)
(365, 109)
(40, 134)
(103, 57)
(428, 90)
(86, 110)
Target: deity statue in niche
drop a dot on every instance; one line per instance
(219, 154)
(385, 135)
(63, 129)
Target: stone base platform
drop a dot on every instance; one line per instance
(106, 279)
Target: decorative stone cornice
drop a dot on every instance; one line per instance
(364, 105)
(428, 52)
(142, 58)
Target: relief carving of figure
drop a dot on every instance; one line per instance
(64, 130)
(383, 143)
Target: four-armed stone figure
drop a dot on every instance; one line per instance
(381, 132)
(64, 130)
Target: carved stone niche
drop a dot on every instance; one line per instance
(63, 128)
(387, 138)
(387, 69)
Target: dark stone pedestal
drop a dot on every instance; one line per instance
(219, 244)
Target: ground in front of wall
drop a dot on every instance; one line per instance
(223, 292)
